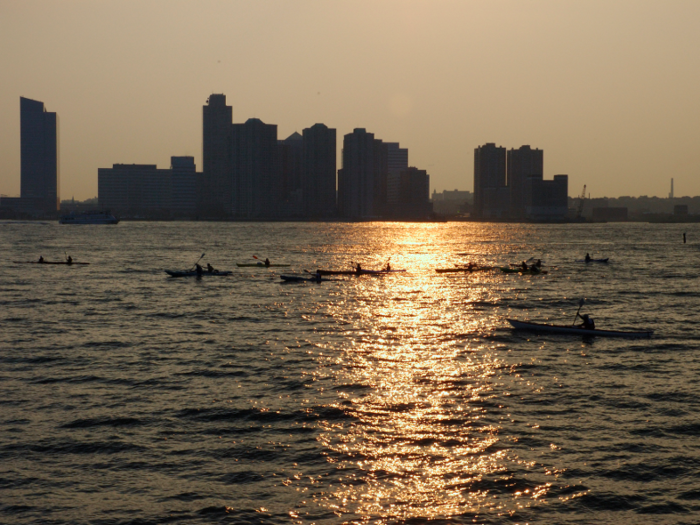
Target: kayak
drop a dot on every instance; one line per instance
(299, 279)
(561, 329)
(193, 273)
(594, 260)
(355, 272)
(50, 262)
(252, 265)
(464, 269)
(506, 269)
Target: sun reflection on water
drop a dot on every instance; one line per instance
(419, 388)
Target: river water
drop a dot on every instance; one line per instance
(129, 397)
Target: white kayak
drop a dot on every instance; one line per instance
(193, 273)
(574, 330)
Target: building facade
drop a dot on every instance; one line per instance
(39, 156)
(408, 194)
(359, 179)
(522, 163)
(318, 182)
(216, 184)
(491, 197)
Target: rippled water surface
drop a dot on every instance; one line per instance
(129, 397)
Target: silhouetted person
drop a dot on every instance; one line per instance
(358, 268)
(588, 258)
(523, 265)
(41, 257)
(684, 238)
(198, 269)
(587, 323)
(267, 262)
(210, 268)
(69, 260)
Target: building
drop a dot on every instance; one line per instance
(39, 156)
(318, 181)
(546, 200)
(184, 186)
(216, 184)
(408, 194)
(452, 202)
(143, 190)
(491, 196)
(522, 163)
(360, 178)
(256, 170)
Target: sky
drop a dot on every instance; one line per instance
(609, 90)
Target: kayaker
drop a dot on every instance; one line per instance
(358, 268)
(470, 266)
(388, 267)
(538, 264)
(69, 260)
(198, 269)
(588, 258)
(41, 259)
(587, 323)
(267, 262)
(523, 266)
(210, 268)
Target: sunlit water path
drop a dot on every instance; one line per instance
(128, 397)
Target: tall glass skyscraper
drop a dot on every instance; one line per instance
(39, 155)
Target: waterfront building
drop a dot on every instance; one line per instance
(359, 179)
(291, 153)
(256, 170)
(184, 186)
(216, 184)
(521, 163)
(408, 194)
(143, 190)
(491, 196)
(546, 200)
(318, 181)
(39, 156)
(453, 202)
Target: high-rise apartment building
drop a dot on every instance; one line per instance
(408, 194)
(359, 179)
(318, 182)
(256, 170)
(490, 190)
(522, 163)
(216, 189)
(39, 155)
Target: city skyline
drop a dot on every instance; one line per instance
(604, 88)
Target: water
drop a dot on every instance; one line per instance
(127, 397)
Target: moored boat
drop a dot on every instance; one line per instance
(193, 273)
(89, 217)
(574, 330)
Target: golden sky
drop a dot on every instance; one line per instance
(610, 90)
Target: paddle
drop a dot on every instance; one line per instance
(580, 304)
(195, 264)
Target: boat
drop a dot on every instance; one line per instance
(594, 260)
(72, 263)
(574, 330)
(299, 279)
(88, 217)
(193, 273)
(464, 269)
(356, 272)
(529, 271)
(261, 264)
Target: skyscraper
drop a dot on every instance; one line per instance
(216, 192)
(522, 163)
(256, 169)
(360, 176)
(39, 155)
(319, 171)
(490, 190)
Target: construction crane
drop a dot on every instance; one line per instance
(581, 200)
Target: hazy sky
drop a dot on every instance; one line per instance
(609, 89)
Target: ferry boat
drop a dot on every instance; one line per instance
(89, 217)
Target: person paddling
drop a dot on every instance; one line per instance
(523, 266)
(588, 258)
(198, 269)
(267, 262)
(358, 268)
(588, 323)
(41, 259)
(210, 268)
(69, 260)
